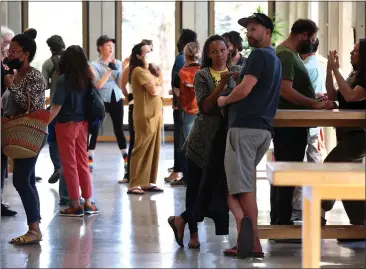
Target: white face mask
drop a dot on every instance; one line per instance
(149, 58)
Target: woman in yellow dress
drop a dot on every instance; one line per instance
(147, 118)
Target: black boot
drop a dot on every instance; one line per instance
(55, 177)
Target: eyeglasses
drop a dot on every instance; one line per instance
(13, 52)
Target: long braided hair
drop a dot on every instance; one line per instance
(206, 60)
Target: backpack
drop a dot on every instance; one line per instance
(94, 107)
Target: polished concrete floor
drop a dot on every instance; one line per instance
(132, 231)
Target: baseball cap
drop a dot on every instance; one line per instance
(104, 39)
(259, 18)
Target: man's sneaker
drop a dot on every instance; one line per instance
(72, 212)
(90, 208)
(55, 177)
(125, 160)
(91, 166)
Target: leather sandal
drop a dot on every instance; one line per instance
(26, 240)
(136, 191)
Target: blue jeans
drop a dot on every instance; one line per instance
(24, 181)
(187, 123)
(4, 166)
(188, 120)
(52, 142)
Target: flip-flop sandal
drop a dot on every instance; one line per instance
(246, 238)
(172, 225)
(154, 189)
(231, 252)
(136, 191)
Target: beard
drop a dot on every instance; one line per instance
(253, 43)
(304, 47)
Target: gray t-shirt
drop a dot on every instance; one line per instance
(9, 105)
(50, 76)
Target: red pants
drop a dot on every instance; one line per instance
(72, 147)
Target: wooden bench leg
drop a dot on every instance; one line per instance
(311, 228)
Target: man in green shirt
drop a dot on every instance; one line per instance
(297, 92)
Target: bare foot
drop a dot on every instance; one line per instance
(173, 176)
(257, 248)
(194, 241)
(179, 224)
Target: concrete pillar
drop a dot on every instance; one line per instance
(345, 35)
(195, 17)
(11, 15)
(323, 28)
(359, 19)
(282, 13)
(101, 22)
(302, 9)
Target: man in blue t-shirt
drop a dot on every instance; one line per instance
(252, 107)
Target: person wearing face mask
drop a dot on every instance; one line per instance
(108, 79)
(147, 115)
(25, 91)
(154, 69)
(297, 92)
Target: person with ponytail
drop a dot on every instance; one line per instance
(205, 143)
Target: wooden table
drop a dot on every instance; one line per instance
(320, 118)
(320, 181)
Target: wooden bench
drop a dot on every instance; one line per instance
(320, 181)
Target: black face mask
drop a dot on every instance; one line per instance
(305, 47)
(13, 64)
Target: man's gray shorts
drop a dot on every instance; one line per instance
(245, 148)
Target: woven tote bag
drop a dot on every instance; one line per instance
(22, 136)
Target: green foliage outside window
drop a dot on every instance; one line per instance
(279, 25)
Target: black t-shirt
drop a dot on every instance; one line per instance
(343, 104)
(258, 109)
(72, 102)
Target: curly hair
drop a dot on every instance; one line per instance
(206, 60)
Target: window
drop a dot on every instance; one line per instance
(154, 21)
(227, 14)
(55, 18)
